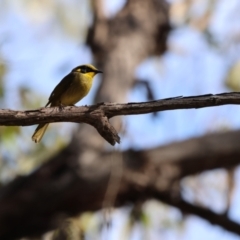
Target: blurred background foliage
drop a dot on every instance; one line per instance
(26, 26)
(41, 41)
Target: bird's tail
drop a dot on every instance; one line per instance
(39, 132)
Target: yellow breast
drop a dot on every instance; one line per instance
(78, 89)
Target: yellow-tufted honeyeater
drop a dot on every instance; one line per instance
(69, 91)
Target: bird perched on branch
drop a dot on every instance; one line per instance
(69, 91)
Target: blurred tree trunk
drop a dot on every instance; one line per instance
(77, 178)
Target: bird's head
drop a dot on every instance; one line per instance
(87, 69)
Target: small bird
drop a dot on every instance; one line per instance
(69, 91)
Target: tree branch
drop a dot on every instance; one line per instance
(71, 183)
(99, 114)
(212, 217)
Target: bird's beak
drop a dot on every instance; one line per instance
(98, 71)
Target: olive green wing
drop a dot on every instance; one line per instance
(61, 88)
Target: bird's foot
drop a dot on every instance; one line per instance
(61, 107)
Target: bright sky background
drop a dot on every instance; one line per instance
(191, 67)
